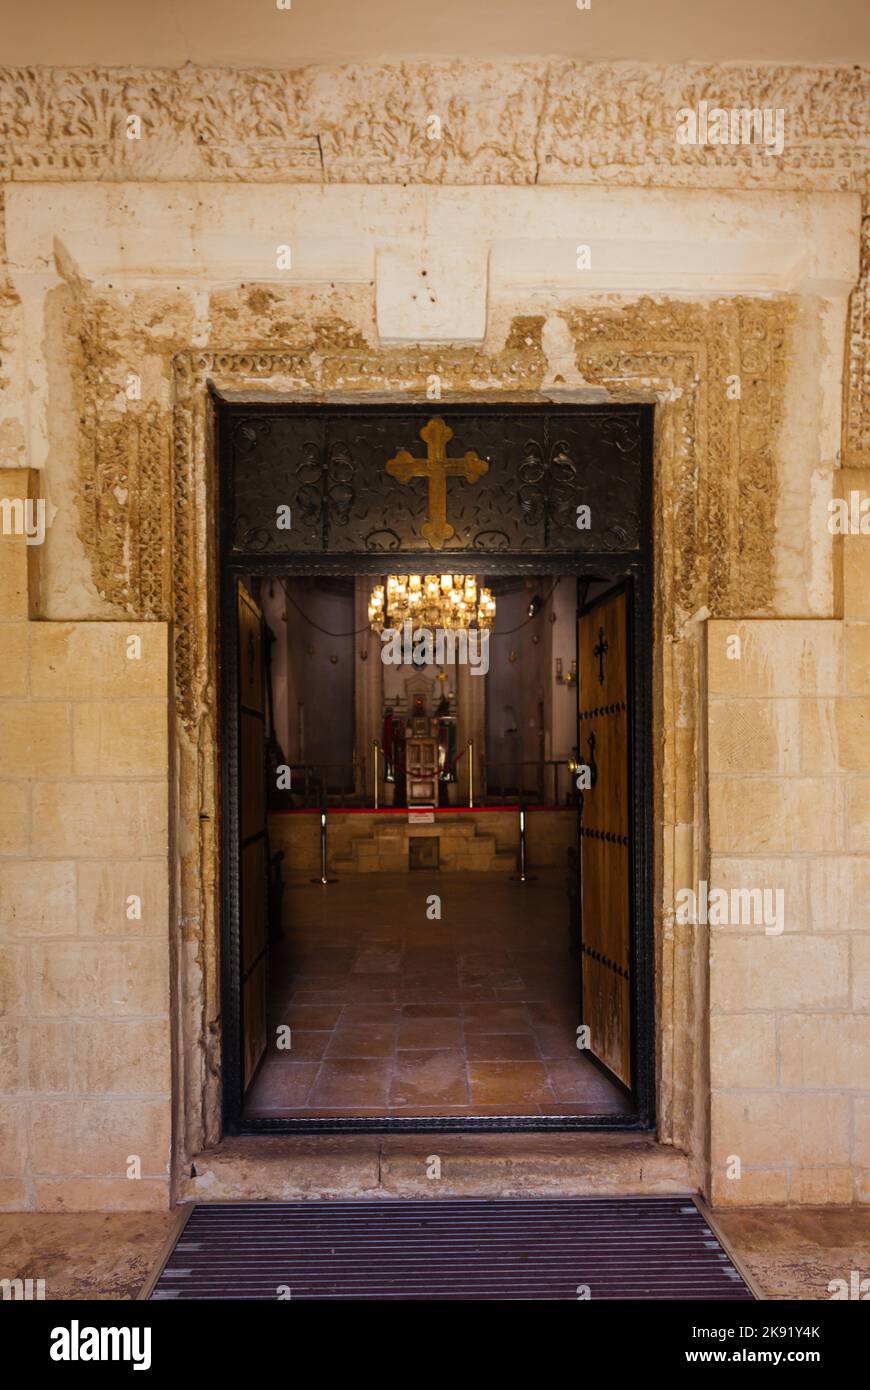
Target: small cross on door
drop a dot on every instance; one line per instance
(601, 651)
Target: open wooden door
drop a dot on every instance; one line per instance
(252, 835)
(605, 911)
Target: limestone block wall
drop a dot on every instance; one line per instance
(789, 811)
(84, 943)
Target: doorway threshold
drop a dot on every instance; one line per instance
(279, 1168)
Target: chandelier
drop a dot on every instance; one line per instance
(431, 600)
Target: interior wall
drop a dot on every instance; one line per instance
(516, 688)
(283, 690)
(564, 647)
(320, 655)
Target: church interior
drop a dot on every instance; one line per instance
(420, 842)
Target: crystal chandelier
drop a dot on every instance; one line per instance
(431, 600)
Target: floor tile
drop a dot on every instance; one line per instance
(282, 1082)
(502, 1047)
(393, 1014)
(352, 1081)
(429, 1077)
(510, 1082)
(363, 1040)
(429, 1033)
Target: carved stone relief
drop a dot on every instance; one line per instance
(856, 385)
(542, 121)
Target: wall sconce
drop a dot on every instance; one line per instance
(563, 679)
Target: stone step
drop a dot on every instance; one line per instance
(385, 848)
(252, 1168)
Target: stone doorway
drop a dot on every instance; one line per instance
(561, 471)
(677, 355)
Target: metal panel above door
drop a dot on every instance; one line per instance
(534, 470)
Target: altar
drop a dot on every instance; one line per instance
(420, 745)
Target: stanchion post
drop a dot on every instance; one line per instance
(522, 876)
(324, 877)
(471, 774)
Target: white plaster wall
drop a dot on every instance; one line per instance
(642, 241)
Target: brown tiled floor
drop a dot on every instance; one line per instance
(394, 1014)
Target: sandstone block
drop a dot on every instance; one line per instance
(861, 976)
(101, 1194)
(756, 1187)
(769, 816)
(858, 814)
(100, 819)
(88, 1137)
(112, 979)
(38, 897)
(775, 1128)
(778, 972)
(89, 661)
(13, 1137)
(35, 739)
(14, 818)
(743, 1051)
(839, 893)
(104, 892)
(824, 1052)
(122, 739)
(778, 657)
(817, 1187)
(124, 1056)
(856, 637)
(14, 665)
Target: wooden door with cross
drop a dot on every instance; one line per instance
(605, 910)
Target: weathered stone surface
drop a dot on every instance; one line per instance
(471, 1165)
(320, 1166)
(536, 122)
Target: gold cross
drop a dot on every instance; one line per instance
(437, 467)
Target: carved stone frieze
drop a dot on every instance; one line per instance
(124, 506)
(540, 121)
(856, 384)
(718, 373)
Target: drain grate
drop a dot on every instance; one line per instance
(616, 1247)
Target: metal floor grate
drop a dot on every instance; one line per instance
(542, 1248)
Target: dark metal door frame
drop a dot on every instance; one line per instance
(636, 569)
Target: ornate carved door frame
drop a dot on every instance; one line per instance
(710, 557)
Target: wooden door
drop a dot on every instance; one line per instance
(605, 912)
(252, 834)
(421, 771)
